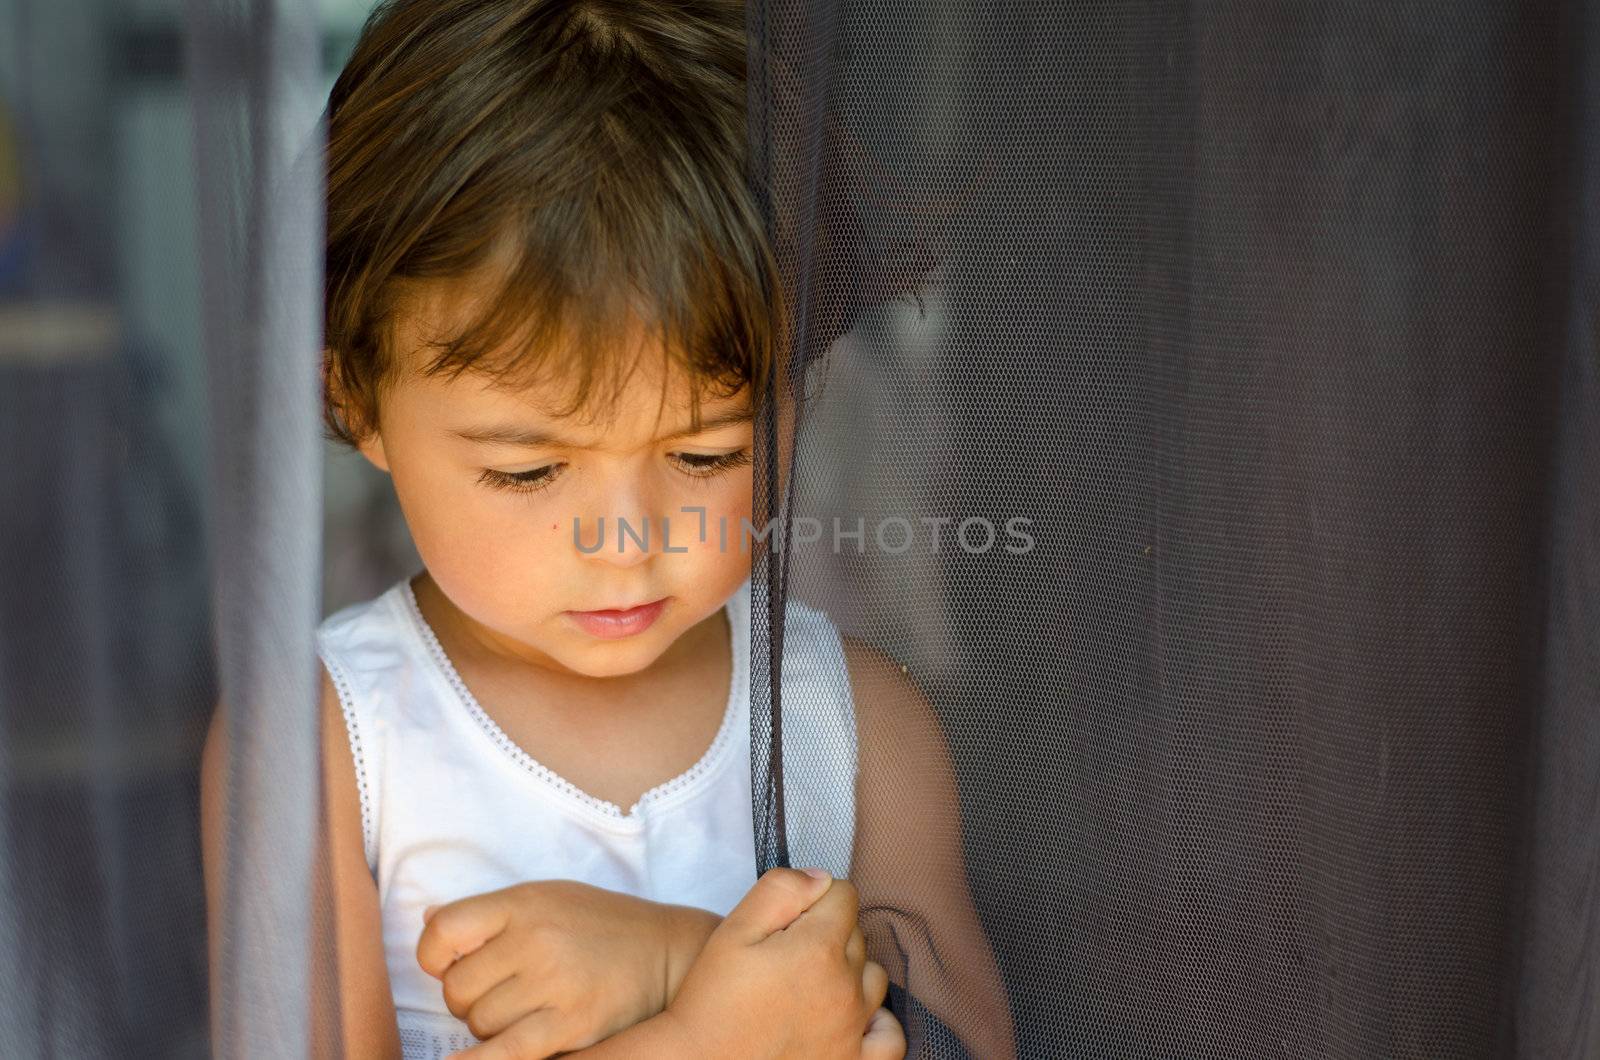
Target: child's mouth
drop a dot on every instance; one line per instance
(613, 623)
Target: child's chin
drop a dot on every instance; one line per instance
(595, 657)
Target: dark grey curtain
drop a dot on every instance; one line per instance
(1279, 322)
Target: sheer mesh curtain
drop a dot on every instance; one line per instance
(159, 327)
(256, 74)
(1279, 322)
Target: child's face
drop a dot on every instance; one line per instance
(510, 560)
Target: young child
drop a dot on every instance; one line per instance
(550, 309)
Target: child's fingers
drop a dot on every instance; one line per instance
(533, 1035)
(833, 915)
(502, 1005)
(472, 977)
(457, 929)
(885, 1039)
(778, 897)
(855, 949)
(874, 984)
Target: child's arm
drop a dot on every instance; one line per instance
(785, 974)
(365, 999)
(907, 858)
(590, 961)
(366, 1016)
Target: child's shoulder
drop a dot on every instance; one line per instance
(355, 614)
(809, 617)
(366, 637)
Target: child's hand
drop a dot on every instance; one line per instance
(774, 985)
(566, 962)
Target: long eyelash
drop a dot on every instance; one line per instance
(531, 481)
(520, 481)
(714, 464)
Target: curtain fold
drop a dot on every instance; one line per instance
(255, 69)
(1278, 323)
(1557, 959)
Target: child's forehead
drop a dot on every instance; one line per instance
(646, 393)
(623, 378)
(640, 413)
(652, 396)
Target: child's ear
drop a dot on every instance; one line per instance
(371, 443)
(372, 449)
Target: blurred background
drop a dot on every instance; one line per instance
(106, 668)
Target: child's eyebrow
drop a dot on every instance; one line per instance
(512, 434)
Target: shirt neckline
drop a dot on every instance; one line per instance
(668, 791)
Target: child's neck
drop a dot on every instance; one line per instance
(655, 723)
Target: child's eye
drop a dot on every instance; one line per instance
(707, 464)
(520, 481)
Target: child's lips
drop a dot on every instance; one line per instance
(611, 623)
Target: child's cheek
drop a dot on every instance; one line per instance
(727, 522)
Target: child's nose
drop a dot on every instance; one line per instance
(623, 540)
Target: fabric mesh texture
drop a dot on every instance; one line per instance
(1279, 324)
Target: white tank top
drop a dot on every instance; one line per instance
(451, 807)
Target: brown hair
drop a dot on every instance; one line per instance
(587, 156)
